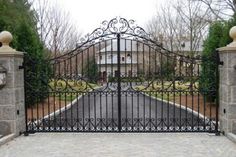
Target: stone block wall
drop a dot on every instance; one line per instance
(227, 110)
(12, 110)
(12, 101)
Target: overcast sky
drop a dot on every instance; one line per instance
(88, 14)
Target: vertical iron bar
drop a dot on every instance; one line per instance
(198, 98)
(66, 118)
(89, 114)
(174, 92)
(145, 73)
(162, 86)
(180, 94)
(106, 92)
(192, 92)
(59, 98)
(49, 124)
(101, 79)
(71, 111)
(119, 83)
(186, 109)
(95, 111)
(26, 106)
(130, 81)
(82, 93)
(112, 94)
(100, 66)
(168, 110)
(138, 111)
(77, 111)
(100, 102)
(126, 93)
(180, 109)
(217, 92)
(150, 93)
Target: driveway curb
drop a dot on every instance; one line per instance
(6, 139)
(232, 137)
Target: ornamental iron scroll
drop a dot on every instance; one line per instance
(116, 26)
(127, 29)
(109, 30)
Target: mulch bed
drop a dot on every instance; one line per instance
(52, 104)
(49, 105)
(197, 104)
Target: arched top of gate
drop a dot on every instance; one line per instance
(110, 29)
(127, 29)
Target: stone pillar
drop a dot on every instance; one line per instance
(227, 91)
(12, 104)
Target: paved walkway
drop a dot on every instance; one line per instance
(119, 145)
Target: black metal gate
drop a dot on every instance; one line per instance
(118, 79)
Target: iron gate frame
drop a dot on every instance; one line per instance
(120, 28)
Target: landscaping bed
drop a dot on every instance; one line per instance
(62, 94)
(42, 109)
(182, 95)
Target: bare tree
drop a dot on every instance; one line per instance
(56, 28)
(222, 9)
(163, 26)
(196, 19)
(185, 21)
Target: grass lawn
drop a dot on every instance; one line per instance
(70, 89)
(168, 90)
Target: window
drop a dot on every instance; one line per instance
(130, 73)
(101, 57)
(128, 55)
(116, 73)
(123, 59)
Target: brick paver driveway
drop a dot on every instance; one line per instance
(119, 145)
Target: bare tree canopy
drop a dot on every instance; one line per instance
(222, 9)
(180, 22)
(56, 28)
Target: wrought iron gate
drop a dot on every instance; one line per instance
(118, 79)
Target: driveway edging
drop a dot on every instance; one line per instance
(6, 139)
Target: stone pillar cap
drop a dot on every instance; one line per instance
(232, 34)
(232, 46)
(6, 39)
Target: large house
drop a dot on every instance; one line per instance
(137, 58)
(107, 59)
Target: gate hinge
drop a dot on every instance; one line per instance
(221, 63)
(21, 67)
(218, 58)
